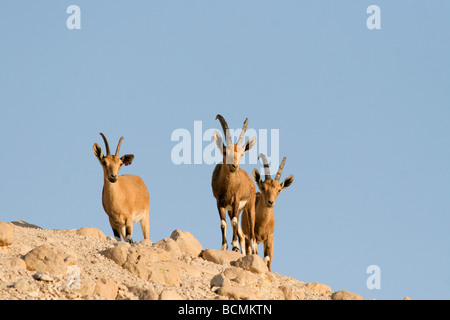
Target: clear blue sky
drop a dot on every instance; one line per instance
(363, 118)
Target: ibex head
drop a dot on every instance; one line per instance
(271, 188)
(111, 163)
(232, 153)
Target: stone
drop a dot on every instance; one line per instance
(42, 276)
(6, 234)
(240, 276)
(118, 253)
(170, 246)
(318, 288)
(252, 263)
(106, 288)
(187, 242)
(219, 280)
(91, 232)
(170, 295)
(87, 286)
(220, 256)
(345, 295)
(237, 293)
(13, 263)
(143, 294)
(45, 259)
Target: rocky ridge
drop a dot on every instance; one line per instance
(84, 264)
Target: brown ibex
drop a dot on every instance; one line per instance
(233, 188)
(265, 200)
(125, 198)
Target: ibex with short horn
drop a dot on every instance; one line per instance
(265, 200)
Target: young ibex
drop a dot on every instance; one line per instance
(233, 188)
(265, 200)
(125, 198)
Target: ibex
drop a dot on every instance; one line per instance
(125, 198)
(265, 200)
(233, 188)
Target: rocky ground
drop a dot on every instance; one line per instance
(84, 264)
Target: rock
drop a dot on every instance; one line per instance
(22, 285)
(187, 242)
(42, 276)
(345, 295)
(240, 276)
(87, 287)
(13, 263)
(146, 242)
(148, 263)
(220, 256)
(252, 263)
(219, 280)
(24, 224)
(407, 298)
(143, 294)
(170, 246)
(6, 234)
(237, 293)
(118, 253)
(319, 288)
(106, 288)
(91, 232)
(45, 259)
(170, 295)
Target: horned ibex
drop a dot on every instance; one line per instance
(125, 198)
(265, 200)
(233, 188)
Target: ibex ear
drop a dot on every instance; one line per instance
(287, 182)
(98, 152)
(127, 159)
(218, 141)
(256, 176)
(249, 144)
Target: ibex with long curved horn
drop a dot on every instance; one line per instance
(233, 188)
(125, 198)
(265, 200)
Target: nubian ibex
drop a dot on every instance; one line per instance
(125, 198)
(233, 188)
(265, 200)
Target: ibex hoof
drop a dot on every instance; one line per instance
(129, 240)
(236, 249)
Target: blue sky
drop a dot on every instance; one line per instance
(363, 118)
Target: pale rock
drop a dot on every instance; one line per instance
(345, 295)
(240, 276)
(6, 234)
(91, 232)
(87, 286)
(146, 242)
(252, 263)
(170, 295)
(220, 256)
(42, 276)
(170, 245)
(318, 288)
(45, 259)
(13, 263)
(118, 253)
(237, 293)
(106, 288)
(187, 242)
